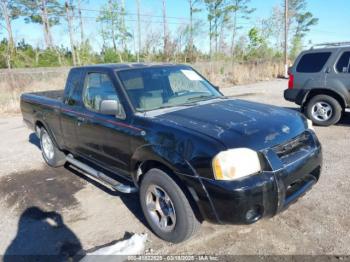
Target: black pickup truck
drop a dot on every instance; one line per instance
(166, 132)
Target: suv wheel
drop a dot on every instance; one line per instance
(324, 110)
(51, 154)
(166, 208)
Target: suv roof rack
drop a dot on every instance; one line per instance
(334, 44)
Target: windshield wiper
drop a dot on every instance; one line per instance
(170, 106)
(179, 105)
(202, 98)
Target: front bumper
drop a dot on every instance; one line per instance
(264, 195)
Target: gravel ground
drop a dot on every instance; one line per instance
(49, 210)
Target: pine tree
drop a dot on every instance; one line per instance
(44, 12)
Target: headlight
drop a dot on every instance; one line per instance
(236, 163)
(309, 124)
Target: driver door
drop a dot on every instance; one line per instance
(102, 138)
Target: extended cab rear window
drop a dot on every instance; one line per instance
(313, 62)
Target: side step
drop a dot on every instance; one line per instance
(101, 176)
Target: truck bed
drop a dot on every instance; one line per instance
(54, 94)
(36, 105)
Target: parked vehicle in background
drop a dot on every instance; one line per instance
(166, 132)
(319, 81)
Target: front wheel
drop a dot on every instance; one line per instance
(51, 154)
(166, 208)
(324, 110)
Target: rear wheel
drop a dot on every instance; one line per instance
(51, 154)
(324, 110)
(166, 208)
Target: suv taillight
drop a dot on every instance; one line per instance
(291, 81)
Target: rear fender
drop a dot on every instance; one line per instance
(43, 124)
(339, 94)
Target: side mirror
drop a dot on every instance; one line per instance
(217, 88)
(109, 107)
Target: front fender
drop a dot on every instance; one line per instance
(183, 171)
(163, 155)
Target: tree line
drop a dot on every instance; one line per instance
(226, 25)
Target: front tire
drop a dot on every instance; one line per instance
(51, 154)
(324, 110)
(166, 208)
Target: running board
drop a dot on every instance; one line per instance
(347, 110)
(101, 176)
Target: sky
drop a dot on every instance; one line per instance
(333, 23)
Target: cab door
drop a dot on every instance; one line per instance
(102, 137)
(70, 108)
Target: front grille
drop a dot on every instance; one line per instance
(298, 156)
(294, 149)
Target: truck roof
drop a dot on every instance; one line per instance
(122, 66)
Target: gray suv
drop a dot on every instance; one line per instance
(319, 81)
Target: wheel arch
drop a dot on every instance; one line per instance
(147, 156)
(190, 194)
(144, 160)
(37, 126)
(321, 91)
(41, 124)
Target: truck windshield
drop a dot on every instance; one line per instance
(155, 88)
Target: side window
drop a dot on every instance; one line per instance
(343, 65)
(313, 62)
(98, 87)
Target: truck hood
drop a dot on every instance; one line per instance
(237, 123)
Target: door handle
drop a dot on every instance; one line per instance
(80, 120)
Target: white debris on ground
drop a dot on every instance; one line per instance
(117, 252)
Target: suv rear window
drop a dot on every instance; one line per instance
(343, 65)
(313, 63)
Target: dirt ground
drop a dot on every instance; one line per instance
(45, 210)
